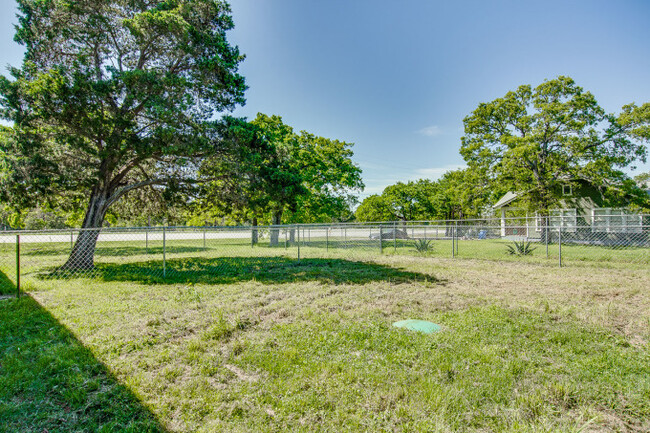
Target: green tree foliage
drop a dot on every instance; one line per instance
(40, 219)
(255, 183)
(280, 181)
(643, 180)
(330, 177)
(410, 201)
(373, 208)
(400, 202)
(535, 140)
(457, 194)
(461, 194)
(113, 96)
(287, 177)
(9, 219)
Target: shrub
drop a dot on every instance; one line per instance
(522, 248)
(423, 245)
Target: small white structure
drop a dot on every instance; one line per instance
(599, 219)
(502, 205)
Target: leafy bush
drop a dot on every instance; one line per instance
(40, 219)
(423, 245)
(522, 248)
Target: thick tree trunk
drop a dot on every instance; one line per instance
(254, 233)
(449, 227)
(292, 235)
(82, 257)
(275, 232)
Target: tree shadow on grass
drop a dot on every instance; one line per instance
(7, 286)
(268, 270)
(50, 382)
(112, 251)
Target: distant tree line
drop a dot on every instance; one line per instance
(457, 194)
(535, 142)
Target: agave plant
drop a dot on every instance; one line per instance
(522, 248)
(423, 245)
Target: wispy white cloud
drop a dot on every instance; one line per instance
(430, 131)
(367, 165)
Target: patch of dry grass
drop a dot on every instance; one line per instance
(526, 347)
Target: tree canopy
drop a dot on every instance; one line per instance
(113, 96)
(457, 194)
(290, 177)
(463, 194)
(536, 140)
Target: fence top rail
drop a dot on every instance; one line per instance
(553, 222)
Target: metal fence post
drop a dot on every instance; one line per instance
(327, 239)
(164, 252)
(457, 239)
(286, 232)
(146, 240)
(559, 241)
(17, 266)
(298, 243)
(345, 237)
(395, 237)
(381, 237)
(71, 240)
(453, 242)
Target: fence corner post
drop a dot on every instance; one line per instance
(18, 266)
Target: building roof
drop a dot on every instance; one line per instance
(508, 198)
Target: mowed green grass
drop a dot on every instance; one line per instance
(39, 259)
(242, 339)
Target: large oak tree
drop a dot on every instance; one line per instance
(536, 140)
(115, 95)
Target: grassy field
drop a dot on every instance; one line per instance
(241, 339)
(129, 257)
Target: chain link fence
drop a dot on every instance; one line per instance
(159, 254)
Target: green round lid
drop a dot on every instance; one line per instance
(418, 325)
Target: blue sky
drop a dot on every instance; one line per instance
(397, 78)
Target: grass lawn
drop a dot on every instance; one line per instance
(234, 341)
